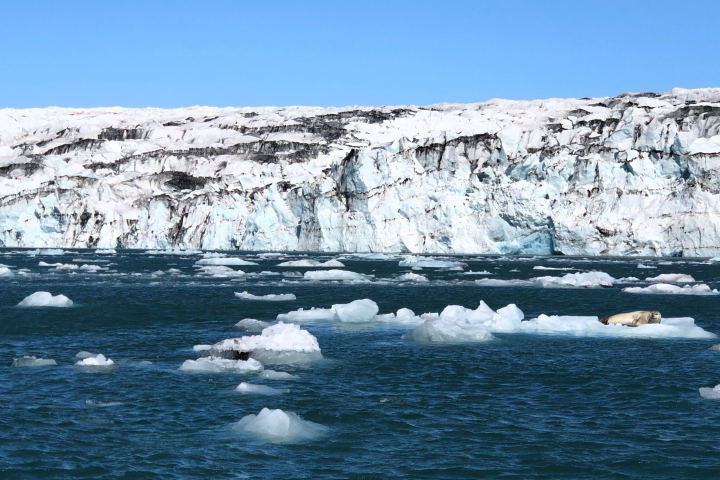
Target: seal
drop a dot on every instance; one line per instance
(632, 319)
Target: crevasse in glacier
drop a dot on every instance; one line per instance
(632, 175)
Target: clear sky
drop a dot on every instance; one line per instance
(333, 53)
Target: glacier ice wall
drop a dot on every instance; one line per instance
(638, 174)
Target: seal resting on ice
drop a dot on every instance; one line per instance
(632, 319)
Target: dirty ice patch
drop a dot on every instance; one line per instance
(428, 262)
(667, 289)
(45, 299)
(252, 389)
(671, 278)
(31, 361)
(710, 393)
(344, 275)
(312, 263)
(277, 426)
(282, 297)
(221, 365)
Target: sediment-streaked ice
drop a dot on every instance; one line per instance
(98, 360)
(45, 299)
(278, 426)
(275, 375)
(667, 289)
(252, 389)
(428, 262)
(248, 325)
(220, 365)
(312, 263)
(337, 275)
(31, 361)
(282, 297)
(671, 278)
(710, 393)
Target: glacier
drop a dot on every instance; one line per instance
(635, 174)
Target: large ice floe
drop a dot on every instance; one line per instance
(223, 261)
(667, 289)
(281, 297)
(282, 343)
(312, 263)
(710, 393)
(278, 426)
(428, 262)
(221, 365)
(671, 278)
(344, 275)
(45, 299)
(354, 312)
(252, 389)
(571, 280)
(459, 324)
(31, 361)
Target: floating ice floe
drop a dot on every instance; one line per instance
(275, 375)
(312, 263)
(337, 275)
(59, 266)
(643, 266)
(281, 343)
(412, 277)
(578, 280)
(459, 324)
(671, 278)
(45, 299)
(404, 316)
(221, 365)
(92, 268)
(540, 267)
(173, 252)
(369, 256)
(98, 360)
(220, 271)
(282, 297)
(47, 251)
(666, 288)
(6, 272)
(278, 426)
(483, 272)
(251, 325)
(224, 261)
(355, 312)
(250, 389)
(495, 282)
(428, 262)
(715, 348)
(105, 251)
(710, 393)
(30, 361)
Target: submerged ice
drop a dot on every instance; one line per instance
(278, 426)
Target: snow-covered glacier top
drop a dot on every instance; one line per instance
(632, 175)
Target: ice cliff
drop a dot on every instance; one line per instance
(638, 174)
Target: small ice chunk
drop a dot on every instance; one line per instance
(224, 261)
(220, 271)
(715, 348)
(46, 251)
(6, 272)
(428, 262)
(220, 365)
(45, 299)
(671, 278)
(494, 282)
(710, 393)
(643, 266)
(92, 268)
(275, 375)
(666, 288)
(312, 315)
(312, 263)
(105, 251)
(337, 275)
(249, 388)
(279, 427)
(540, 267)
(357, 311)
(202, 348)
(30, 361)
(98, 360)
(412, 277)
(84, 354)
(249, 325)
(483, 272)
(282, 297)
(171, 251)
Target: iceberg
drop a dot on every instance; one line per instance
(30, 361)
(283, 297)
(578, 280)
(672, 278)
(279, 427)
(666, 288)
(45, 299)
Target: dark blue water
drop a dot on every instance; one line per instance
(524, 406)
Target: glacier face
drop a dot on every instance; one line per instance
(637, 174)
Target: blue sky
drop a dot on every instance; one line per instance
(251, 53)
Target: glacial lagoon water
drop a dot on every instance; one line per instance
(524, 405)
